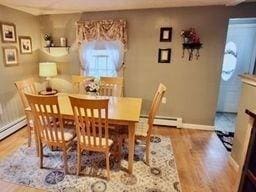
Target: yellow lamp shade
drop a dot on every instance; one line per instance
(47, 69)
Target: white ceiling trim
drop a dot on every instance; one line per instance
(44, 7)
(234, 2)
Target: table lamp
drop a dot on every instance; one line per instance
(48, 70)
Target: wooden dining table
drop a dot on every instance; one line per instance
(121, 111)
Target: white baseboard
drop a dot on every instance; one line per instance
(199, 127)
(12, 127)
(166, 121)
(233, 163)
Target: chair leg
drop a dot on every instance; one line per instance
(37, 140)
(41, 153)
(120, 142)
(147, 151)
(29, 135)
(78, 160)
(65, 160)
(119, 149)
(107, 166)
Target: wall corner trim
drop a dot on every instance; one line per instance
(198, 126)
(233, 163)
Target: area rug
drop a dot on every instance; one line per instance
(22, 167)
(226, 138)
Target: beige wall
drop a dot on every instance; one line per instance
(192, 85)
(26, 25)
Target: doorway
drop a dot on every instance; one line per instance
(239, 58)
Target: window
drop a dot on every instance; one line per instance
(101, 58)
(230, 61)
(100, 64)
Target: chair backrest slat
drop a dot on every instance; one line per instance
(48, 120)
(92, 123)
(25, 86)
(78, 83)
(111, 86)
(155, 106)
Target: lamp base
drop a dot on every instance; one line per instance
(48, 89)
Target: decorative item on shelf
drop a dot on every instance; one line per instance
(48, 40)
(48, 70)
(164, 55)
(10, 55)
(92, 86)
(191, 42)
(63, 42)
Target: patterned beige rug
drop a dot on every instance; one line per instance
(22, 167)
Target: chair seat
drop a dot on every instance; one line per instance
(141, 128)
(69, 134)
(97, 139)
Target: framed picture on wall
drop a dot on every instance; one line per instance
(165, 34)
(8, 31)
(10, 55)
(164, 55)
(25, 44)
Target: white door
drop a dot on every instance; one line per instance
(239, 58)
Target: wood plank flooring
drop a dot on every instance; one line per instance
(201, 159)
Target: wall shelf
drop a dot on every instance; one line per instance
(57, 47)
(190, 47)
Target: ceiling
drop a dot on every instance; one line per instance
(43, 7)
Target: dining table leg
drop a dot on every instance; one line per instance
(131, 131)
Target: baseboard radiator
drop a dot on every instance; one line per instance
(12, 127)
(166, 121)
(21, 122)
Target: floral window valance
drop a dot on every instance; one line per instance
(109, 30)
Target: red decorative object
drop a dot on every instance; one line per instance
(191, 42)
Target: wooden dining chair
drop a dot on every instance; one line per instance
(145, 131)
(49, 125)
(91, 119)
(27, 86)
(111, 86)
(77, 83)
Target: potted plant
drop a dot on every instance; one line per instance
(191, 42)
(48, 40)
(190, 36)
(92, 86)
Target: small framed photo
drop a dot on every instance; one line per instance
(164, 55)
(165, 34)
(25, 44)
(10, 56)
(8, 31)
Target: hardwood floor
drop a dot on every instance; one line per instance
(8, 146)
(201, 159)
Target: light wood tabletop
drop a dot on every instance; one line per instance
(122, 111)
(120, 108)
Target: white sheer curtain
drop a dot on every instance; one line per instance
(113, 49)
